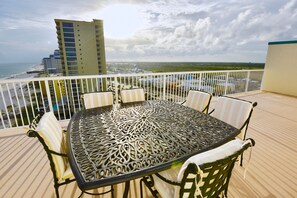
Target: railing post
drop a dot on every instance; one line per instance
(5, 106)
(2, 120)
(48, 95)
(226, 84)
(116, 90)
(200, 79)
(164, 87)
(247, 81)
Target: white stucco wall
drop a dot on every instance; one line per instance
(280, 74)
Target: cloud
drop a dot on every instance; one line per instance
(171, 30)
(193, 30)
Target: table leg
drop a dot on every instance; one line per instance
(127, 187)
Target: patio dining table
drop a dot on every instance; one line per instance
(109, 145)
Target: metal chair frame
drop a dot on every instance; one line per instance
(215, 183)
(33, 133)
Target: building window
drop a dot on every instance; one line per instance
(70, 54)
(70, 44)
(71, 59)
(66, 24)
(68, 30)
(70, 49)
(69, 35)
(73, 63)
(69, 40)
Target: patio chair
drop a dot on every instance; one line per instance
(198, 100)
(203, 175)
(97, 99)
(236, 112)
(132, 95)
(50, 134)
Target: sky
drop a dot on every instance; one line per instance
(146, 30)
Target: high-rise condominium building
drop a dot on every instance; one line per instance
(52, 64)
(81, 46)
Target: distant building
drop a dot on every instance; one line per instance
(82, 48)
(82, 52)
(52, 64)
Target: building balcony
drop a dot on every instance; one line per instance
(271, 170)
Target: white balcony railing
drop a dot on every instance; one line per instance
(20, 99)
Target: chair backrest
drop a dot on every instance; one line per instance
(50, 134)
(208, 174)
(132, 95)
(198, 100)
(97, 99)
(235, 112)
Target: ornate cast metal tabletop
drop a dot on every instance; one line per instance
(108, 145)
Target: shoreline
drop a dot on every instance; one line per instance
(36, 67)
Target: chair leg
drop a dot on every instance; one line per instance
(149, 183)
(112, 191)
(241, 159)
(57, 191)
(82, 192)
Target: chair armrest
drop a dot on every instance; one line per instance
(31, 133)
(56, 153)
(211, 111)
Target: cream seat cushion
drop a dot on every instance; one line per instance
(51, 132)
(234, 112)
(99, 99)
(132, 95)
(176, 173)
(197, 100)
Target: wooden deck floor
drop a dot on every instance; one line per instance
(272, 171)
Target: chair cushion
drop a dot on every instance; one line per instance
(99, 99)
(51, 132)
(165, 189)
(68, 173)
(212, 155)
(197, 100)
(132, 95)
(232, 111)
(176, 173)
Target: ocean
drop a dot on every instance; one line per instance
(11, 69)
